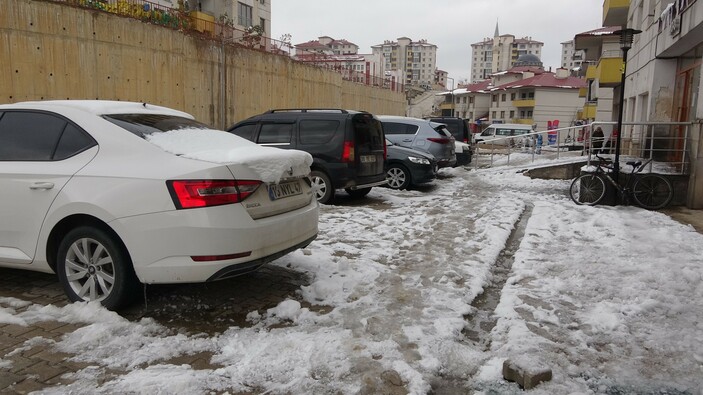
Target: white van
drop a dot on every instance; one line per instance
(500, 133)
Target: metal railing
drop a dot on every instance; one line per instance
(223, 31)
(666, 143)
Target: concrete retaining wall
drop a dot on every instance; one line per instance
(54, 51)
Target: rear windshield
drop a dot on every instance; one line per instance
(443, 131)
(368, 132)
(146, 124)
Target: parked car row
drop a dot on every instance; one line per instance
(349, 149)
(111, 195)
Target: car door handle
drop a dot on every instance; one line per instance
(407, 140)
(42, 185)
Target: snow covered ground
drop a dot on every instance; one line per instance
(611, 298)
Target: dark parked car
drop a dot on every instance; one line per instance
(406, 167)
(459, 128)
(348, 147)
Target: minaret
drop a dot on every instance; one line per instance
(496, 34)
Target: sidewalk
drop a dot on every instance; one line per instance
(686, 216)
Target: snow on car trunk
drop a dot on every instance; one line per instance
(271, 164)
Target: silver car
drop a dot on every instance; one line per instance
(421, 134)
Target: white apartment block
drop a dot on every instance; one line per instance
(500, 53)
(571, 59)
(415, 61)
(340, 55)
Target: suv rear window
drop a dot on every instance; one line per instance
(145, 124)
(442, 130)
(399, 128)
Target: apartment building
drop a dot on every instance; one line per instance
(340, 55)
(415, 61)
(603, 61)
(500, 53)
(471, 102)
(662, 79)
(241, 14)
(571, 59)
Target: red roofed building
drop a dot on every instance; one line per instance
(527, 94)
(471, 102)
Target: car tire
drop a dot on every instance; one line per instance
(398, 177)
(106, 275)
(322, 187)
(358, 193)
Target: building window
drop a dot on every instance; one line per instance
(512, 96)
(502, 115)
(262, 24)
(512, 114)
(502, 97)
(245, 15)
(495, 99)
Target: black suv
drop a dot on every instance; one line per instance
(459, 128)
(347, 147)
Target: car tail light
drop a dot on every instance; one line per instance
(205, 193)
(441, 140)
(348, 152)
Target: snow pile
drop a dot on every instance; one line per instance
(606, 297)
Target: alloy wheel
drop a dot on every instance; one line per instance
(90, 270)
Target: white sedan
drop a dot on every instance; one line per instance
(109, 195)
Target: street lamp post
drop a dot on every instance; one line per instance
(452, 95)
(626, 37)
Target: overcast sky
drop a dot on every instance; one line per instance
(452, 25)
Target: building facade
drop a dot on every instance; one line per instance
(662, 75)
(571, 59)
(240, 14)
(342, 56)
(500, 53)
(414, 61)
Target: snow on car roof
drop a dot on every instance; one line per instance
(100, 107)
(271, 164)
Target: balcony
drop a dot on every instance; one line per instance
(589, 110)
(615, 12)
(591, 72)
(524, 103)
(202, 22)
(609, 72)
(524, 121)
(446, 106)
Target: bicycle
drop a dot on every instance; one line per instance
(649, 191)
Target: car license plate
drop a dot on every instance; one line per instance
(284, 190)
(368, 158)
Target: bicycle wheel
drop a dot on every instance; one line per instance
(588, 189)
(652, 191)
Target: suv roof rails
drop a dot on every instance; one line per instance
(339, 110)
